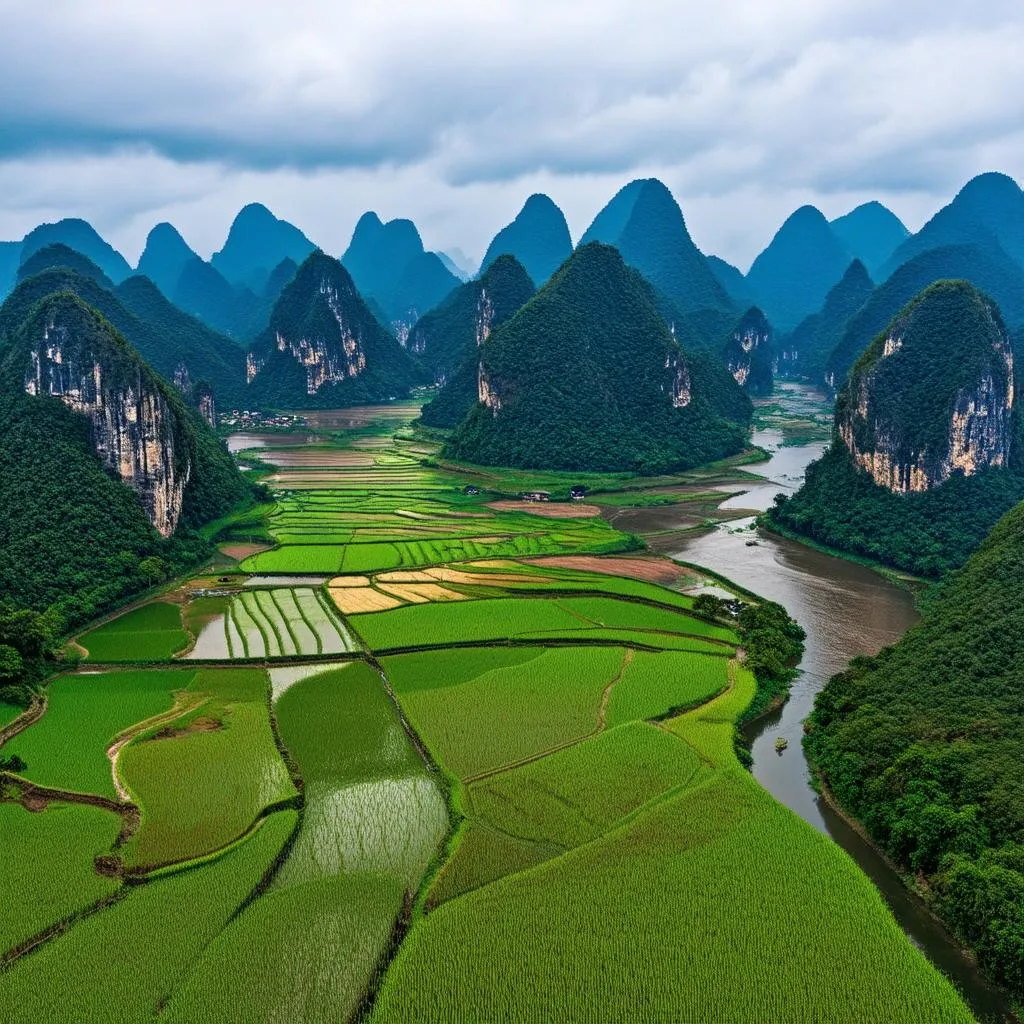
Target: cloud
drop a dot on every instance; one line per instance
(126, 111)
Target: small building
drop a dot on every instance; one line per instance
(471, 490)
(536, 496)
(578, 493)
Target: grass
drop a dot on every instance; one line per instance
(510, 711)
(66, 748)
(314, 950)
(151, 633)
(200, 790)
(120, 965)
(46, 872)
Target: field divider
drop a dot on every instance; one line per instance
(35, 710)
(287, 622)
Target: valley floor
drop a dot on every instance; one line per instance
(420, 756)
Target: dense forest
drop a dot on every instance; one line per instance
(587, 375)
(924, 744)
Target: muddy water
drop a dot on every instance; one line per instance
(846, 610)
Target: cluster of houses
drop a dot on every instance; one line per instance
(577, 493)
(249, 419)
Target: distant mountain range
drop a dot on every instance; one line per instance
(538, 238)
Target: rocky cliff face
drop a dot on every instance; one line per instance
(326, 361)
(748, 352)
(934, 395)
(133, 428)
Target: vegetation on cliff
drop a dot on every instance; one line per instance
(923, 459)
(73, 536)
(925, 745)
(588, 376)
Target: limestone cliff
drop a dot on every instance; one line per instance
(324, 346)
(933, 395)
(748, 352)
(74, 356)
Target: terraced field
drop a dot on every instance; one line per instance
(449, 783)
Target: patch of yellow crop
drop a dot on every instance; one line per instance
(352, 600)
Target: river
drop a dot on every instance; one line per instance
(846, 610)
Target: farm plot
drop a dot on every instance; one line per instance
(374, 819)
(510, 618)
(67, 747)
(502, 712)
(284, 622)
(120, 965)
(47, 871)
(153, 632)
(711, 902)
(654, 685)
(203, 779)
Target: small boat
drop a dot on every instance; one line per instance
(780, 744)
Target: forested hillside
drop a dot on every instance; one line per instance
(925, 745)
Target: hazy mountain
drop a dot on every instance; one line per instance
(988, 268)
(256, 243)
(988, 209)
(459, 263)
(82, 237)
(926, 433)
(389, 265)
(54, 256)
(10, 258)
(732, 280)
(205, 293)
(644, 222)
(871, 233)
(805, 352)
(588, 376)
(801, 264)
(324, 347)
(97, 447)
(165, 257)
(447, 338)
(538, 238)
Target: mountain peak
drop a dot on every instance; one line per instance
(538, 237)
(798, 268)
(165, 256)
(81, 236)
(256, 243)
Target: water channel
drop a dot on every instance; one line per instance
(847, 610)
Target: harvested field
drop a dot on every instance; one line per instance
(240, 552)
(421, 593)
(652, 570)
(353, 600)
(548, 509)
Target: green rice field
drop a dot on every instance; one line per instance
(434, 782)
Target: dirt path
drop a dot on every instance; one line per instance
(183, 703)
(31, 715)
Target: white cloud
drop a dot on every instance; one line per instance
(452, 112)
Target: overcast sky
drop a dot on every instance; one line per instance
(451, 112)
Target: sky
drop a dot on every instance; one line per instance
(452, 112)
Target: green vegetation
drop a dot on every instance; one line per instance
(925, 745)
(588, 376)
(202, 780)
(67, 747)
(507, 712)
(284, 623)
(655, 685)
(313, 950)
(47, 873)
(120, 965)
(630, 924)
(151, 633)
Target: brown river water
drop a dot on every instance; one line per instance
(846, 610)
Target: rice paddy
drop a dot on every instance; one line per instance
(451, 781)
